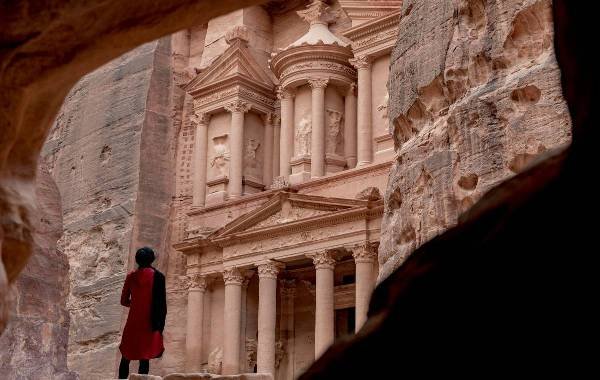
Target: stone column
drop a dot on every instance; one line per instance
(364, 257)
(243, 318)
(236, 169)
(318, 136)
(324, 310)
(195, 319)
(232, 319)
(288, 294)
(365, 131)
(286, 141)
(268, 149)
(276, 141)
(350, 126)
(267, 316)
(200, 157)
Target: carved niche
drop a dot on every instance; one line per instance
(220, 161)
(252, 165)
(334, 130)
(303, 136)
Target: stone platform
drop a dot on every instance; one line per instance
(203, 376)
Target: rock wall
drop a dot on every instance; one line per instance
(474, 97)
(111, 153)
(34, 345)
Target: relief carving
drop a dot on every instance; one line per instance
(251, 349)
(383, 107)
(220, 161)
(252, 165)
(333, 130)
(303, 136)
(215, 361)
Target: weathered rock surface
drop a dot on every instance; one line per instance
(46, 47)
(35, 343)
(474, 97)
(111, 154)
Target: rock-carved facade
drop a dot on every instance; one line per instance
(290, 155)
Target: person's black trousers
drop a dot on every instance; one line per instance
(124, 368)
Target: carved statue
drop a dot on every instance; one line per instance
(251, 349)
(215, 361)
(279, 353)
(333, 130)
(251, 163)
(303, 136)
(221, 158)
(383, 107)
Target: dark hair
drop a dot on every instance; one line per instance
(144, 256)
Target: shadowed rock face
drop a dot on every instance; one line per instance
(509, 289)
(35, 342)
(474, 97)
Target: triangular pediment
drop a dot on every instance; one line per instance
(236, 62)
(286, 208)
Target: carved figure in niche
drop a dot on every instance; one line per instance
(383, 107)
(279, 353)
(250, 354)
(221, 158)
(303, 136)
(251, 163)
(333, 130)
(215, 361)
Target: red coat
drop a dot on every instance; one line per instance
(139, 341)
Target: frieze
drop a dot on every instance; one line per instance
(319, 66)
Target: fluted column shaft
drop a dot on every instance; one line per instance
(318, 138)
(364, 258)
(236, 167)
(365, 131)
(200, 153)
(350, 126)
(324, 308)
(194, 337)
(267, 301)
(286, 145)
(232, 318)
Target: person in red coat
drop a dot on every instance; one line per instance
(144, 294)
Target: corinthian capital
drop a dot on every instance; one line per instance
(323, 260)
(200, 118)
(233, 276)
(285, 93)
(360, 62)
(197, 282)
(317, 12)
(365, 253)
(238, 106)
(318, 83)
(269, 269)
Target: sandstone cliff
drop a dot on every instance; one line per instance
(111, 153)
(34, 345)
(474, 97)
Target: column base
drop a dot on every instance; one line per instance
(300, 169)
(334, 163)
(217, 191)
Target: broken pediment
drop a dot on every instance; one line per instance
(236, 64)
